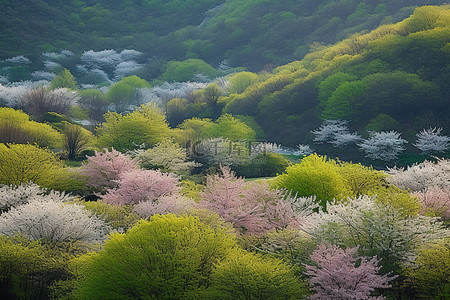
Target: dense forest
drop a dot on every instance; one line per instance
(232, 149)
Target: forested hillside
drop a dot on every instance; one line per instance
(252, 34)
(395, 77)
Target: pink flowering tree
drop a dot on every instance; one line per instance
(337, 275)
(251, 208)
(141, 185)
(105, 168)
(435, 202)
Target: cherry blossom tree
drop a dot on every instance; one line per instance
(103, 170)
(337, 275)
(383, 145)
(141, 185)
(251, 208)
(435, 201)
(430, 141)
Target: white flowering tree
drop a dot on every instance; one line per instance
(49, 218)
(303, 150)
(385, 145)
(431, 141)
(335, 132)
(12, 196)
(374, 227)
(421, 177)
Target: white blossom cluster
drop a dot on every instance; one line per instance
(20, 59)
(303, 150)
(38, 214)
(372, 225)
(263, 147)
(165, 92)
(420, 177)
(385, 145)
(54, 56)
(123, 63)
(430, 140)
(335, 132)
(12, 196)
(12, 96)
(43, 75)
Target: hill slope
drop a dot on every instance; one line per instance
(249, 33)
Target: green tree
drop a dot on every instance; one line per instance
(231, 128)
(16, 127)
(185, 70)
(126, 92)
(28, 268)
(250, 276)
(64, 80)
(431, 270)
(345, 101)
(241, 81)
(315, 175)
(24, 163)
(167, 257)
(211, 95)
(146, 125)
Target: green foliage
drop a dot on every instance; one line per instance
(28, 268)
(191, 189)
(120, 217)
(241, 81)
(167, 257)
(330, 179)
(345, 101)
(403, 201)
(252, 276)
(146, 125)
(231, 128)
(194, 129)
(185, 70)
(382, 122)
(64, 80)
(315, 175)
(431, 270)
(125, 91)
(15, 127)
(76, 140)
(360, 179)
(263, 165)
(166, 156)
(24, 163)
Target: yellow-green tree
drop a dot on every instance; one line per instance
(22, 163)
(16, 127)
(430, 271)
(231, 128)
(145, 125)
(249, 276)
(315, 175)
(64, 80)
(167, 257)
